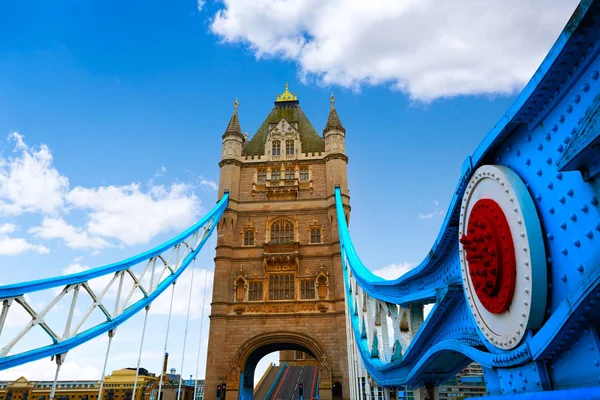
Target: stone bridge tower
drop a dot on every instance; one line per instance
(278, 281)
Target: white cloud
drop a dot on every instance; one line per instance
(73, 237)
(200, 4)
(211, 184)
(132, 216)
(29, 182)
(182, 293)
(436, 211)
(44, 370)
(7, 228)
(394, 271)
(12, 246)
(426, 48)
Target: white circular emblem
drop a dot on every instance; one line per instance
(502, 256)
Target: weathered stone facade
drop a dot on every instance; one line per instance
(278, 277)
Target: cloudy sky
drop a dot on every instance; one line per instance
(111, 117)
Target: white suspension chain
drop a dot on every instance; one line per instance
(111, 333)
(200, 338)
(59, 361)
(160, 380)
(187, 321)
(137, 369)
(139, 360)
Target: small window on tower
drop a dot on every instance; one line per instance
(304, 174)
(275, 174)
(249, 238)
(315, 235)
(307, 289)
(276, 147)
(262, 176)
(289, 173)
(289, 147)
(255, 291)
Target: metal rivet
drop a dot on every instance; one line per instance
(540, 147)
(551, 210)
(576, 243)
(570, 192)
(574, 217)
(564, 251)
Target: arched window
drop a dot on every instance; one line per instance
(289, 147)
(276, 147)
(282, 231)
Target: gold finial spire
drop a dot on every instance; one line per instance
(236, 104)
(286, 96)
(332, 100)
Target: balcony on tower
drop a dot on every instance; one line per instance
(282, 189)
(281, 256)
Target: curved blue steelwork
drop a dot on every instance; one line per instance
(21, 288)
(70, 343)
(546, 138)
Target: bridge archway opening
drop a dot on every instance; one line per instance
(255, 349)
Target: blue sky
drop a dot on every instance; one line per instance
(120, 108)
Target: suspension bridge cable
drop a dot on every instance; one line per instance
(187, 321)
(137, 369)
(139, 360)
(111, 333)
(200, 338)
(59, 361)
(160, 380)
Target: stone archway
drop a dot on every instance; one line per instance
(240, 379)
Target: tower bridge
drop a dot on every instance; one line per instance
(514, 272)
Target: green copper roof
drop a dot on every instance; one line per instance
(291, 111)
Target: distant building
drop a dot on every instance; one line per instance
(117, 386)
(466, 384)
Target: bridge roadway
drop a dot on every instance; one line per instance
(288, 387)
(265, 385)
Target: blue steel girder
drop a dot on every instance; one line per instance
(549, 138)
(186, 246)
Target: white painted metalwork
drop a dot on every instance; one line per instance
(98, 293)
(200, 337)
(187, 322)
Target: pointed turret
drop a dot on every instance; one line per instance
(233, 142)
(335, 137)
(234, 123)
(333, 121)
